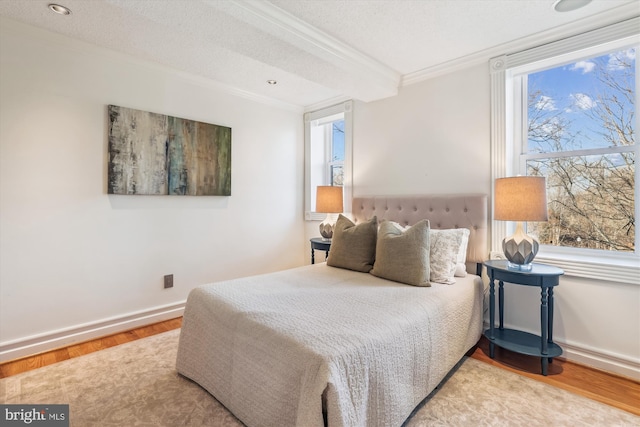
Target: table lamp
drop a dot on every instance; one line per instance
(329, 201)
(520, 198)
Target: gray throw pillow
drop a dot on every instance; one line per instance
(403, 255)
(353, 246)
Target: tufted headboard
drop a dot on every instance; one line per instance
(443, 211)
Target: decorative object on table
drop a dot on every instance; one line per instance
(154, 154)
(520, 198)
(329, 201)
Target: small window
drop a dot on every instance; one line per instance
(327, 154)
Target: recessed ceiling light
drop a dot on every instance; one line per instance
(569, 5)
(272, 82)
(59, 9)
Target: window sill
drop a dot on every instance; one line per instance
(314, 216)
(621, 268)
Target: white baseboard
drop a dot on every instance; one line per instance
(595, 358)
(10, 350)
(604, 362)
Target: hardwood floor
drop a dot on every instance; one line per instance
(611, 389)
(620, 392)
(24, 364)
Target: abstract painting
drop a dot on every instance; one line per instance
(155, 154)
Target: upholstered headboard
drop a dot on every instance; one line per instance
(443, 211)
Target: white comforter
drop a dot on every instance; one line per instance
(272, 347)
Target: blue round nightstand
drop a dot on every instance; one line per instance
(544, 276)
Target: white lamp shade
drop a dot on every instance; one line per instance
(329, 199)
(520, 198)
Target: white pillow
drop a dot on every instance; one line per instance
(461, 260)
(448, 254)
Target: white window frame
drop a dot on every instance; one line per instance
(507, 159)
(347, 109)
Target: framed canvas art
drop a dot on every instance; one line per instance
(155, 154)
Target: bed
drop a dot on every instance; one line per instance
(322, 345)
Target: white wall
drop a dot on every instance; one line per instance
(75, 260)
(434, 137)
(431, 138)
(596, 323)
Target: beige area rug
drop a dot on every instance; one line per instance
(136, 384)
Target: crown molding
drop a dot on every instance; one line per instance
(619, 14)
(627, 32)
(321, 44)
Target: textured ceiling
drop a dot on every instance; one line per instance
(317, 50)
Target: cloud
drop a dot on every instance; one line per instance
(584, 66)
(582, 101)
(622, 59)
(545, 103)
(552, 126)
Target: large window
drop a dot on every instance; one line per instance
(327, 154)
(567, 111)
(579, 132)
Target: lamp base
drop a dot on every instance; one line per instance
(519, 267)
(327, 225)
(520, 249)
(326, 231)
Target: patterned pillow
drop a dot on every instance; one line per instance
(448, 254)
(353, 246)
(461, 258)
(402, 254)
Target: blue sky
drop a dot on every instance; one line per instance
(572, 91)
(338, 140)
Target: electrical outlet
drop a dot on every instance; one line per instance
(168, 281)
